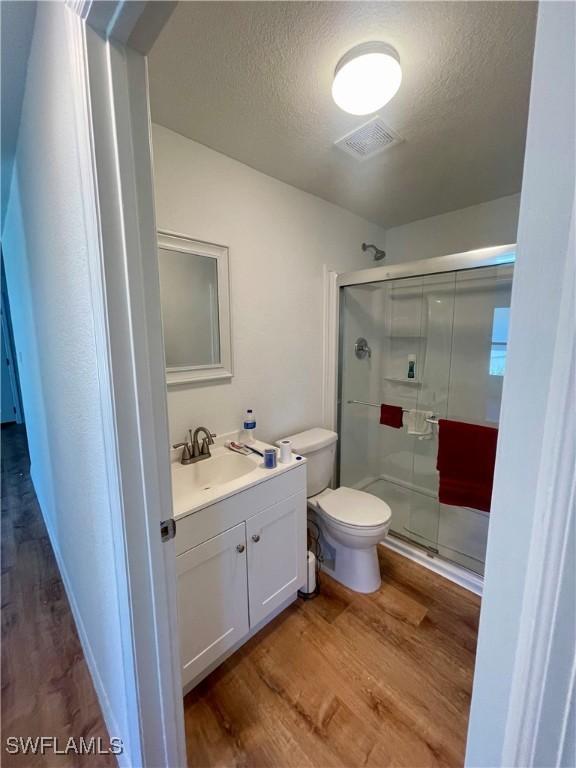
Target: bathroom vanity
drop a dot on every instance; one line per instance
(240, 551)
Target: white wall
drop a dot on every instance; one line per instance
(279, 240)
(480, 226)
(45, 251)
(539, 277)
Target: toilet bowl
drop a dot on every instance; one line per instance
(351, 522)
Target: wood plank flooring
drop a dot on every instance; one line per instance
(346, 680)
(46, 686)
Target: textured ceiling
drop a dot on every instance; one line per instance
(16, 28)
(252, 80)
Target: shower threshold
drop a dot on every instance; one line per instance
(428, 558)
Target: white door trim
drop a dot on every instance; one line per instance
(550, 568)
(330, 356)
(76, 32)
(119, 210)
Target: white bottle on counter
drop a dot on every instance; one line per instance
(249, 428)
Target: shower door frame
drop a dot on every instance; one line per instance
(456, 262)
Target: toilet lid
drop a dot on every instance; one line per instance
(355, 508)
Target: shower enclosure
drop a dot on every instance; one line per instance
(429, 336)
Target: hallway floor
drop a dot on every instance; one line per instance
(46, 686)
(346, 680)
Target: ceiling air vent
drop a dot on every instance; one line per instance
(366, 141)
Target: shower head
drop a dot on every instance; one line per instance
(379, 254)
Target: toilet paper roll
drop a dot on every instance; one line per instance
(310, 585)
(285, 450)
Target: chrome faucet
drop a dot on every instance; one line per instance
(192, 451)
(200, 452)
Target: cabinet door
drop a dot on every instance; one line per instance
(212, 599)
(276, 555)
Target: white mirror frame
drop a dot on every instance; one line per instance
(223, 370)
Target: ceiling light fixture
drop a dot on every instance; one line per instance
(366, 78)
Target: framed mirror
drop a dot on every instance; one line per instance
(195, 301)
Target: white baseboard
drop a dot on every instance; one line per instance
(124, 760)
(455, 573)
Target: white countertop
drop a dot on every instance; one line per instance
(187, 500)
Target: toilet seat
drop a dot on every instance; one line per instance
(355, 509)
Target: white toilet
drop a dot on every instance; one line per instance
(351, 522)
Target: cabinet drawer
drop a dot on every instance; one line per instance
(212, 600)
(210, 521)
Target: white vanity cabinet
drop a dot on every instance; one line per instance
(239, 562)
(212, 599)
(275, 556)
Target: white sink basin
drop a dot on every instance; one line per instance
(225, 473)
(218, 469)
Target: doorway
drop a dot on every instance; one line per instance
(11, 411)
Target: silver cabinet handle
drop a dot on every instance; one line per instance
(255, 538)
(240, 548)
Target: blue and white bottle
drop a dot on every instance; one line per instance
(249, 426)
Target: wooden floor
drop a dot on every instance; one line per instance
(46, 686)
(346, 680)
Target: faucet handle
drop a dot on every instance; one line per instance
(186, 455)
(207, 441)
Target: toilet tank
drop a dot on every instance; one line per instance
(318, 446)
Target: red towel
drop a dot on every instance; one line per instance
(391, 415)
(466, 457)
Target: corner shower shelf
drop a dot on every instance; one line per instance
(413, 382)
(402, 336)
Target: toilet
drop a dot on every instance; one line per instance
(351, 522)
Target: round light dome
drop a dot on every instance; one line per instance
(366, 78)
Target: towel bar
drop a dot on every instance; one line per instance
(431, 420)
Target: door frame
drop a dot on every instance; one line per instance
(109, 42)
(112, 42)
(547, 623)
(522, 709)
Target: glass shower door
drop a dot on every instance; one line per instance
(477, 365)
(436, 344)
(407, 324)
(431, 396)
